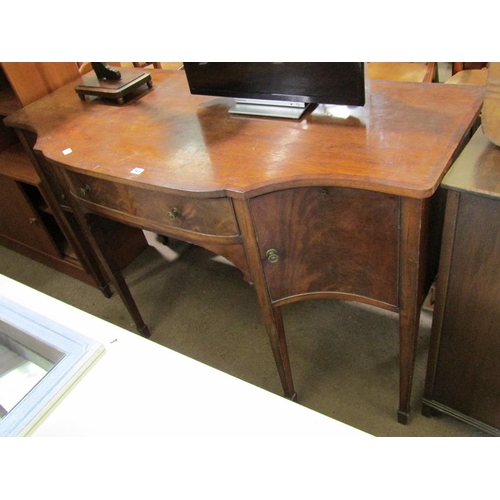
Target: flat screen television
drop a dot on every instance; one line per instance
(282, 89)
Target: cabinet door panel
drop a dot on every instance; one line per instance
(20, 222)
(468, 374)
(329, 240)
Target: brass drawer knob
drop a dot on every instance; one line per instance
(173, 214)
(272, 256)
(85, 190)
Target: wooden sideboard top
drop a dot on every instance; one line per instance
(477, 169)
(402, 141)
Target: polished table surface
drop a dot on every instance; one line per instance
(334, 205)
(401, 142)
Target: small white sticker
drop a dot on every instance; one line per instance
(67, 151)
(137, 170)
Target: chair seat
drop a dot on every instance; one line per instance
(399, 71)
(469, 77)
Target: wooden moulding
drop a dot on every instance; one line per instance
(491, 108)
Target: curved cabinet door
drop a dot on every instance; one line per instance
(329, 241)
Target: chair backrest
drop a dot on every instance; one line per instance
(32, 80)
(490, 115)
(156, 65)
(464, 66)
(469, 77)
(403, 71)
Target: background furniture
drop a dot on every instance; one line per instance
(469, 77)
(355, 192)
(468, 74)
(490, 114)
(34, 218)
(463, 373)
(403, 71)
(456, 67)
(156, 65)
(86, 67)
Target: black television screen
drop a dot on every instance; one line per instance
(288, 84)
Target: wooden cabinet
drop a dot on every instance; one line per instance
(21, 218)
(343, 202)
(336, 241)
(35, 218)
(463, 373)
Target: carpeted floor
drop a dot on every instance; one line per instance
(344, 355)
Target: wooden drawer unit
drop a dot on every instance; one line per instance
(329, 240)
(157, 210)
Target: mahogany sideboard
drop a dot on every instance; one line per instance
(334, 205)
(463, 372)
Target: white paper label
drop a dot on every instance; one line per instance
(137, 170)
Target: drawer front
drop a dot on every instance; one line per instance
(155, 209)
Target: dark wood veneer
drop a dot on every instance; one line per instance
(210, 216)
(338, 240)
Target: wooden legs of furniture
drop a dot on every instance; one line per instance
(95, 230)
(410, 299)
(274, 325)
(408, 335)
(98, 232)
(272, 317)
(404, 224)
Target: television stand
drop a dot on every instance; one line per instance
(113, 89)
(274, 109)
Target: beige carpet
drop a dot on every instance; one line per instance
(344, 355)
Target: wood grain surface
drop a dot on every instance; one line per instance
(401, 142)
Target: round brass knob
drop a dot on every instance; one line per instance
(85, 190)
(272, 256)
(173, 214)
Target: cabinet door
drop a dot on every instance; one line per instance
(329, 240)
(20, 222)
(467, 374)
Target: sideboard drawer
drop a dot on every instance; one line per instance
(211, 216)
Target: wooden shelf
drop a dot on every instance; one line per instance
(14, 163)
(9, 103)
